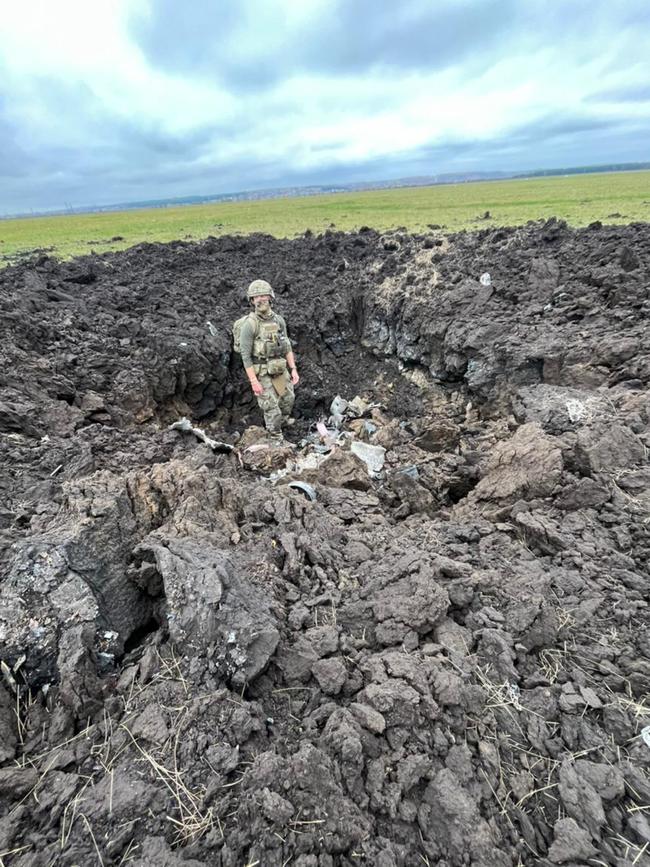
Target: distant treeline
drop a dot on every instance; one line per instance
(585, 170)
(292, 192)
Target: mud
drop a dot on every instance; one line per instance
(444, 662)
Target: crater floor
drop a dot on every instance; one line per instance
(446, 661)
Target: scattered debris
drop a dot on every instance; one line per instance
(372, 456)
(185, 425)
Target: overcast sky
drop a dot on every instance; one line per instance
(105, 101)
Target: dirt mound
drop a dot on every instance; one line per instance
(420, 637)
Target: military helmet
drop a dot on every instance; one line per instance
(259, 287)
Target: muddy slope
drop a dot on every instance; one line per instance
(447, 662)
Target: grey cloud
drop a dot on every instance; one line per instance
(229, 42)
(348, 39)
(630, 93)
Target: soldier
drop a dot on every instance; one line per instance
(268, 358)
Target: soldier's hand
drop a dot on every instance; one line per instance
(257, 387)
(295, 379)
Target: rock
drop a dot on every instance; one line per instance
(15, 783)
(412, 769)
(8, 730)
(92, 403)
(607, 780)
(607, 447)
(411, 493)
(450, 816)
(330, 674)
(586, 493)
(448, 688)
(440, 436)
(296, 662)
(628, 259)
(368, 718)
(542, 532)
(396, 701)
(151, 726)
(570, 843)
(557, 408)
(580, 799)
(260, 453)
(496, 650)
(543, 276)
(276, 808)
(454, 637)
(155, 850)
(210, 602)
(80, 687)
(527, 465)
(323, 639)
(343, 470)
(415, 602)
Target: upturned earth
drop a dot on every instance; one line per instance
(444, 662)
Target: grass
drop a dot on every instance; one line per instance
(617, 197)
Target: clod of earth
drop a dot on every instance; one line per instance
(416, 632)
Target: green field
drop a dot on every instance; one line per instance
(618, 197)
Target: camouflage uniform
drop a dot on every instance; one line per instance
(264, 345)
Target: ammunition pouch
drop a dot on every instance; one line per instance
(280, 384)
(276, 366)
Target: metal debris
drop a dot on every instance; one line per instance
(307, 490)
(10, 680)
(185, 425)
(372, 456)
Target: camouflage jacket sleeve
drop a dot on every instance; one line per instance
(246, 338)
(283, 331)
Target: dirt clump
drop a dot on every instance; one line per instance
(418, 637)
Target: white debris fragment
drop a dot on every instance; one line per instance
(576, 410)
(8, 676)
(213, 331)
(357, 407)
(338, 405)
(326, 435)
(184, 424)
(485, 279)
(337, 410)
(645, 735)
(514, 694)
(372, 456)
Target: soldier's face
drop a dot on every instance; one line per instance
(261, 302)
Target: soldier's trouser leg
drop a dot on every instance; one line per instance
(268, 403)
(287, 400)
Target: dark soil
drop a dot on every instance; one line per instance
(446, 664)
